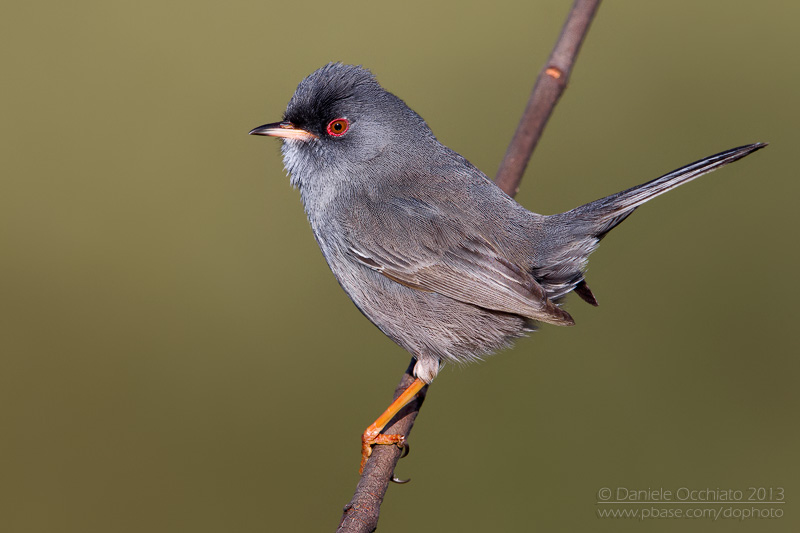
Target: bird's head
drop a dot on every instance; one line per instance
(340, 120)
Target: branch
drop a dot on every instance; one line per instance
(361, 514)
(549, 86)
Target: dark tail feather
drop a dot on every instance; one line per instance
(609, 211)
(572, 236)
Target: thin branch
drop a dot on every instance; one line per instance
(361, 514)
(549, 86)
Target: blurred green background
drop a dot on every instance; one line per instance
(176, 356)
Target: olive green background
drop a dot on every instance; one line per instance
(176, 356)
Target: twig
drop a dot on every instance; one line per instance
(549, 86)
(361, 514)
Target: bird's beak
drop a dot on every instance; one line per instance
(287, 130)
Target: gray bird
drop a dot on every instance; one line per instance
(429, 249)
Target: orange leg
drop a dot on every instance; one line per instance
(372, 434)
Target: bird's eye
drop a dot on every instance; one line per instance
(338, 127)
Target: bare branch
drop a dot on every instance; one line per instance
(549, 86)
(361, 514)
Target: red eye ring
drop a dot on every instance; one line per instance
(338, 127)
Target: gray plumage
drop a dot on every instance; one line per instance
(430, 249)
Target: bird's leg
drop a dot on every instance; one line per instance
(372, 435)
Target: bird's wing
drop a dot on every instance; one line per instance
(430, 253)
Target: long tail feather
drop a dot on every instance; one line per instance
(611, 208)
(572, 236)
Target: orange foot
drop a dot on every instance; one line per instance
(372, 435)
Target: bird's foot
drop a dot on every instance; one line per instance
(373, 436)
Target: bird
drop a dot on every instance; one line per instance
(426, 246)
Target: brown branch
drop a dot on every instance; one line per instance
(549, 86)
(361, 514)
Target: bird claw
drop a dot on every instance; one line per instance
(369, 441)
(406, 449)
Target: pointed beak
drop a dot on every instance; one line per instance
(287, 130)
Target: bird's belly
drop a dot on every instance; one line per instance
(426, 324)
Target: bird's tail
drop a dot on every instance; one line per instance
(576, 233)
